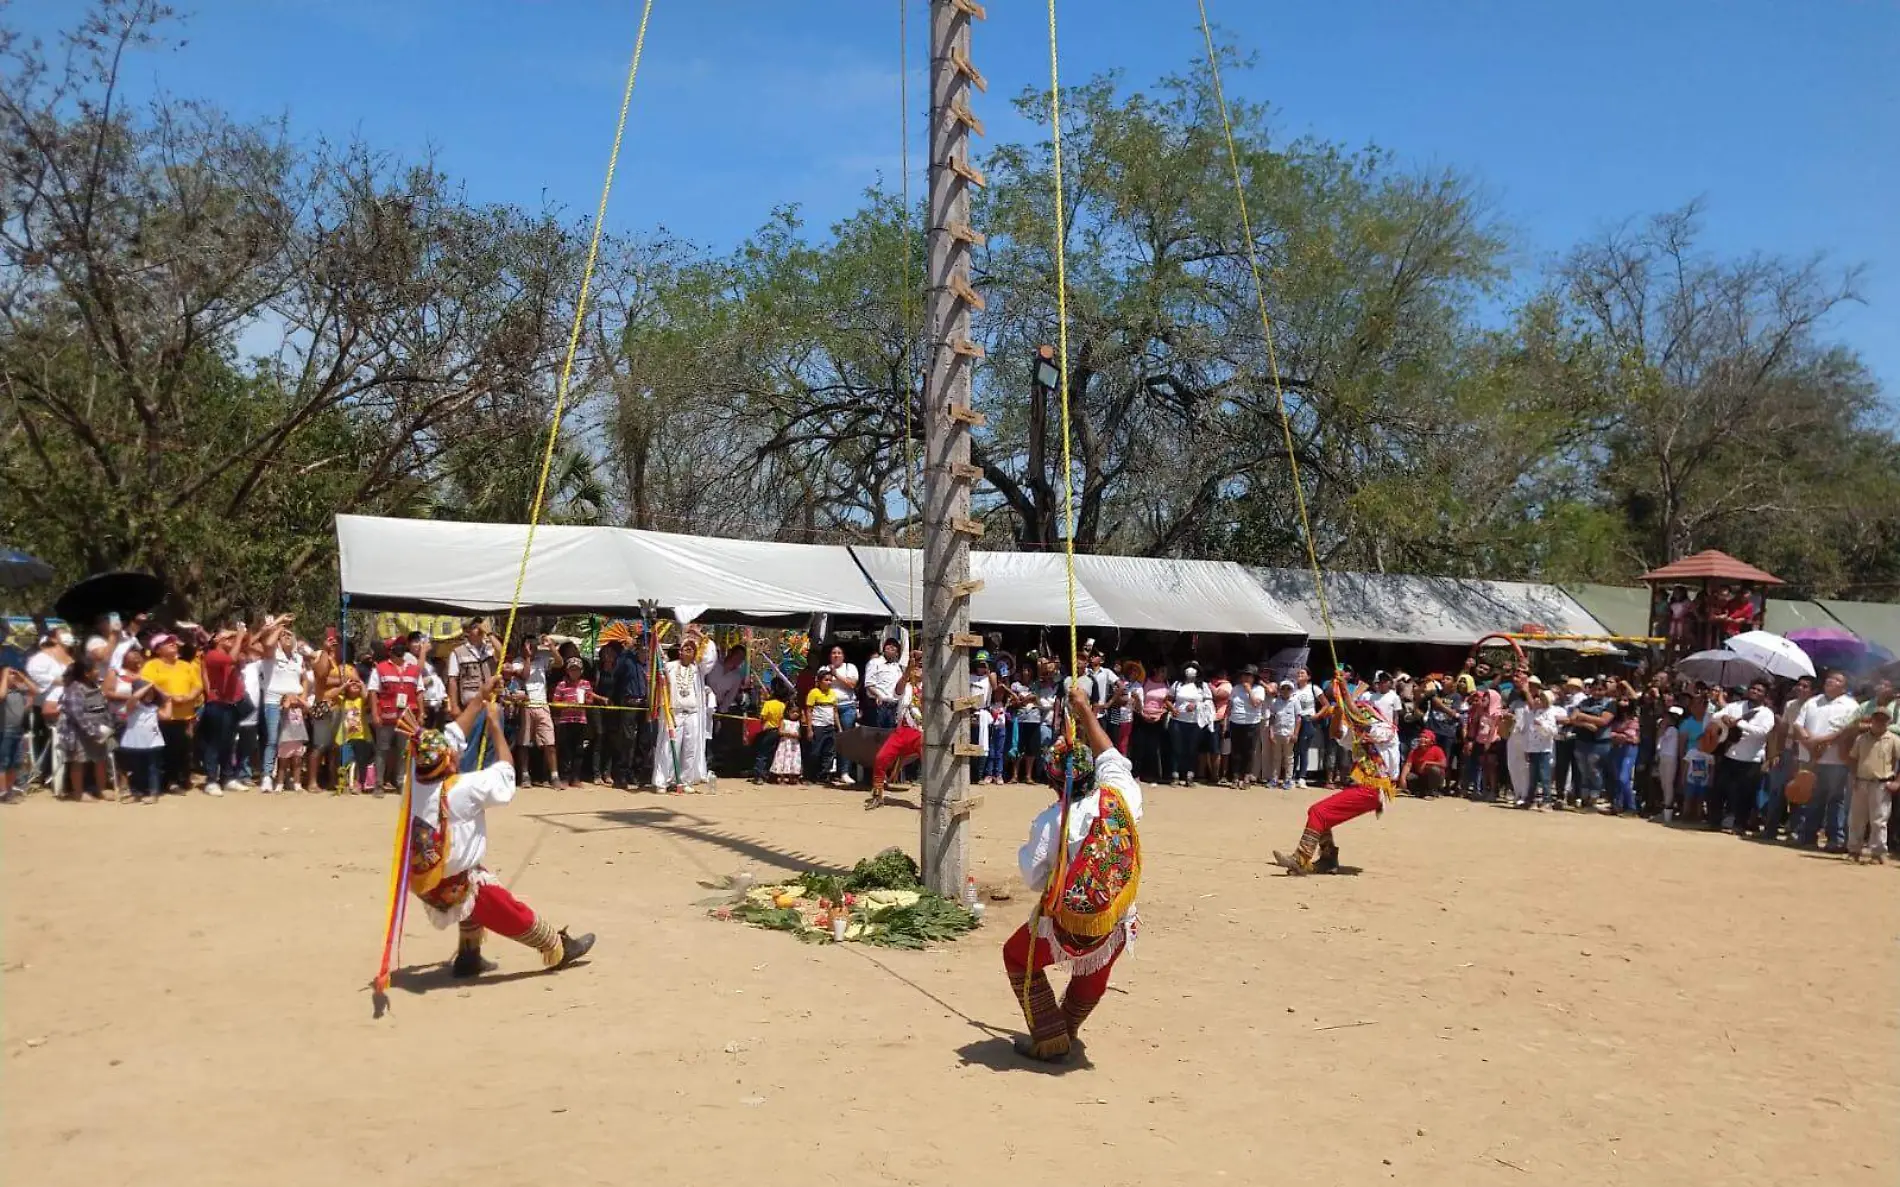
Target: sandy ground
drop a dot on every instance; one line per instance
(1499, 998)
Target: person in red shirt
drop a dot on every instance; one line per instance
(1424, 771)
(570, 720)
(395, 686)
(218, 720)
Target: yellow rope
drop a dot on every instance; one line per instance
(1266, 327)
(1060, 864)
(573, 341)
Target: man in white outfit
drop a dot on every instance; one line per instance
(679, 753)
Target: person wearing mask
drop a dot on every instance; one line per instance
(1186, 698)
(395, 688)
(1282, 714)
(1306, 698)
(218, 718)
(1246, 708)
(881, 675)
(1745, 725)
(1822, 731)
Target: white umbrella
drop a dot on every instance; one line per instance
(1776, 656)
(1724, 669)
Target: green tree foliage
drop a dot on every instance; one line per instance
(214, 337)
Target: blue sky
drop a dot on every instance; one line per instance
(1784, 116)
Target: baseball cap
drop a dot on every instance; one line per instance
(1252, 670)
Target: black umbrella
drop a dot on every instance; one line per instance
(100, 595)
(18, 570)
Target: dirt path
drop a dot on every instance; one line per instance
(1499, 998)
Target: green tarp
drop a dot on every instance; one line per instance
(1623, 610)
(1785, 616)
(1876, 622)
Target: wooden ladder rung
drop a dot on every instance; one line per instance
(962, 114)
(969, 750)
(967, 589)
(967, 471)
(967, 171)
(970, 8)
(965, 704)
(966, 294)
(967, 348)
(966, 414)
(962, 62)
(966, 640)
(968, 527)
(966, 233)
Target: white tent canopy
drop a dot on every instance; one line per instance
(1399, 608)
(402, 563)
(1159, 593)
(1019, 588)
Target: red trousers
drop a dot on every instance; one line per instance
(1051, 1023)
(500, 912)
(1336, 809)
(905, 743)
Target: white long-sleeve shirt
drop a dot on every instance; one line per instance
(881, 675)
(1753, 724)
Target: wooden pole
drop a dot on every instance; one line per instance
(948, 420)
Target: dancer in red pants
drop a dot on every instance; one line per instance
(448, 837)
(1085, 916)
(907, 740)
(1367, 790)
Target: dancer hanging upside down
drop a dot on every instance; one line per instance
(448, 837)
(1367, 788)
(1085, 916)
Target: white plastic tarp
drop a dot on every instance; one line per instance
(403, 563)
(1158, 593)
(1400, 608)
(1019, 588)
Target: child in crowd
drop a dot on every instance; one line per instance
(1697, 764)
(788, 764)
(293, 736)
(765, 742)
(355, 747)
(16, 697)
(570, 720)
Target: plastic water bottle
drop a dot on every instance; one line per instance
(969, 893)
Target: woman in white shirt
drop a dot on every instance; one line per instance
(1187, 699)
(284, 674)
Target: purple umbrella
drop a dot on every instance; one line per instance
(1838, 647)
